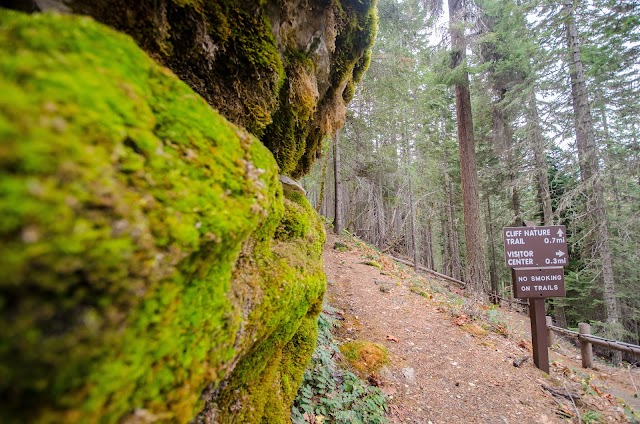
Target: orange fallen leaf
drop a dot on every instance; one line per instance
(610, 398)
(461, 320)
(596, 389)
(525, 345)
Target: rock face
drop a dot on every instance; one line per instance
(154, 267)
(282, 69)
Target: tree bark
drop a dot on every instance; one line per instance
(428, 257)
(337, 221)
(475, 268)
(504, 141)
(414, 230)
(493, 267)
(451, 255)
(608, 160)
(540, 161)
(381, 216)
(412, 209)
(323, 180)
(453, 246)
(590, 172)
(445, 254)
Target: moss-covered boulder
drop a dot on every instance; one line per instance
(282, 69)
(153, 269)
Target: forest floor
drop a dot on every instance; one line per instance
(452, 360)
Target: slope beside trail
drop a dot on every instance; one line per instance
(450, 361)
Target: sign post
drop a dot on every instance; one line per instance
(539, 334)
(536, 256)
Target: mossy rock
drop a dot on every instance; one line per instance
(258, 62)
(373, 263)
(365, 357)
(340, 247)
(141, 274)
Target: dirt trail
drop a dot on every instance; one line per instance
(447, 365)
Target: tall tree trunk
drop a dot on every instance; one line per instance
(475, 268)
(540, 161)
(428, 245)
(451, 255)
(504, 142)
(381, 216)
(445, 253)
(454, 244)
(590, 173)
(544, 193)
(608, 160)
(412, 209)
(635, 162)
(323, 180)
(414, 230)
(337, 221)
(493, 267)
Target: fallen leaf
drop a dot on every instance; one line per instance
(525, 345)
(610, 398)
(475, 330)
(596, 389)
(461, 320)
(374, 380)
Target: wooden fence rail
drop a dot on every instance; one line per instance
(584, 335)
(462, 284)
(586, 340)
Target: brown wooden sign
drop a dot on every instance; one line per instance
(538, 282)
(526, 247)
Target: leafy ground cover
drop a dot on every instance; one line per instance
(332, 393)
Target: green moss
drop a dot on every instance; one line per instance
(286, 135)
(359, 22)
(137, 238)
(373, 264)
(365, 357)
(225, 50)
(354, 40)
(289, 307)
(248, 67)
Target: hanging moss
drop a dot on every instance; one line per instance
(225, 50)
(286, 135)
(251, 61)
(138, 240)
(359, 22)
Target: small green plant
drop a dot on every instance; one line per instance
(373, 264)
(496, 322)
(336, 395)
(340, 247)
(592, 417)
(634, 417)
(586, 385)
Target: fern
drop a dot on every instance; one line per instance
(337, 395)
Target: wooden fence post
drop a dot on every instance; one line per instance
(551, 339)
(586, 349)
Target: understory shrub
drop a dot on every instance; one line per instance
(332, 394)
